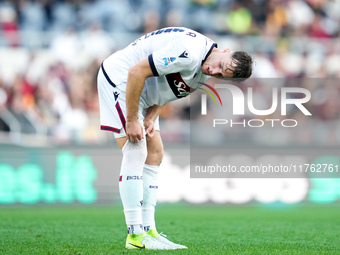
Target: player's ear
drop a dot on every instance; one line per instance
(226, 50)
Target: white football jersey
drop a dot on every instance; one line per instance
(175, 56)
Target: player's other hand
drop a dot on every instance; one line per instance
(149, 128)
(134, 131)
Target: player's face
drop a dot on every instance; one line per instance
(219, 65)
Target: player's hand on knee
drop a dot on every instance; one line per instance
(149, 128)
(134, 131)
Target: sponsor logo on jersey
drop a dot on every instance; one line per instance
(177, 85)
(168, 60)
(120, 178)
(153, 187)
(135, 177)
(185, 54)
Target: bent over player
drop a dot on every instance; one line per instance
(134, 84)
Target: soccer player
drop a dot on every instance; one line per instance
(134, 84)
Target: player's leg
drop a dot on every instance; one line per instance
(131, 193)
(131, 182)
(150, 179)
(150, 184)
(112, 118)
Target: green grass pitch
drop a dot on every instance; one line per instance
(204, 229)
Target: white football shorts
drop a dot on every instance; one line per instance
(112, 106)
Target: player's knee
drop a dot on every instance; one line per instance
(155, 156)
(159, 155)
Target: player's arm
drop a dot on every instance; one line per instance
(149, 120)
(135, 82)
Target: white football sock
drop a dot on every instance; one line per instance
(135, 229)
(131, 183)
(150, 185)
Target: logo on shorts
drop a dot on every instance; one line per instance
(168, 60)
(116, 94)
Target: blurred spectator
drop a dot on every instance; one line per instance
(8, 24)
(239, 19)
(62, 15)
(66, 46)
(152, 21)
(96, 43)
(300, 16)
(32, 15)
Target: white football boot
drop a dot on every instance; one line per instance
(144, 241)
(161, 238)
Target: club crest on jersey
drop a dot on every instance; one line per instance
(168, 60)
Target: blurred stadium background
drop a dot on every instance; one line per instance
(51, 148)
